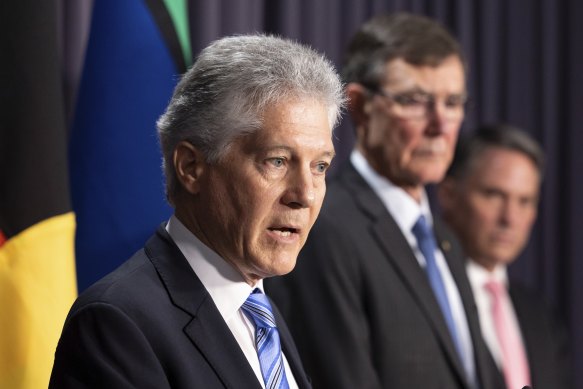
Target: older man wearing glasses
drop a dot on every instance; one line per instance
(380, 298)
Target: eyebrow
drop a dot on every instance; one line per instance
(418, 89)
(289, 149)
(330, 154)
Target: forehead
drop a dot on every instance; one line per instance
(294, 123)
(447, 77)
(502, 166)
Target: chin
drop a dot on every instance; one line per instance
(501, 258)
(273, 266)
(431, 178)
(284, 265)
(431, 174)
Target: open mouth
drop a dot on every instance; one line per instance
(284, 231)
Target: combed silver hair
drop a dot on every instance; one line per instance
(229, 86)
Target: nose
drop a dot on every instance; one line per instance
(438, 116)
(509, 213)
(301, 190)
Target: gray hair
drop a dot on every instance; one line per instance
(234, 79)
(504, 136)
(418, 40)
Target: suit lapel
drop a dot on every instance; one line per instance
(213, 338)
(207, 330)
(530, 332)
(289, 349)
(390, 238)
(488, 374)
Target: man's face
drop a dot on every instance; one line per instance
(494, 207)
(260, 201)
(414, 150)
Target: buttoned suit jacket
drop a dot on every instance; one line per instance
(545, 340)
(361, 308)
(152, 324)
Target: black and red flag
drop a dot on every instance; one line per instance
(37, 226)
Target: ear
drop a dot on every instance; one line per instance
(358, 103)
(190, 166)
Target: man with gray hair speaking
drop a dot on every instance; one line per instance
(246, 141)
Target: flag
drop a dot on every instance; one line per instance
(136, 52)
(37, 226)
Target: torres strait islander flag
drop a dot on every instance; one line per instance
(136, 52)
(37, 265)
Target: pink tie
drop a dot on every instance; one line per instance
(514, 362)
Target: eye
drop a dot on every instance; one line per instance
(489, 192)
(527, 202)
(492, 194)
(322, 167)
(412, 99)
(456, 101)
(277, 161)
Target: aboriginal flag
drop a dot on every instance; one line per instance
(106, 167)
(37, 267)
(136, 52)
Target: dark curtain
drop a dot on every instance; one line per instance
(524, 58)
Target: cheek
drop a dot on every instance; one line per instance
(477, 213)
(259, 207)
(484, 219)
(253, 211)
(377, 133)
(452, 126)
(319, 200)
(531, 217)
(526, 223)
(451, 140)
(399, 143)
(384, 130)
(410, 137)
(237, 205)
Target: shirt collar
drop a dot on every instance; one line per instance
(226, 286)
(404, 209)
(479, 275)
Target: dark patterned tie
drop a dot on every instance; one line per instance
(258, 309)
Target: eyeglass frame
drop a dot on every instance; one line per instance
(427, 105)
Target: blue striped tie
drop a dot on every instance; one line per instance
(258, 309)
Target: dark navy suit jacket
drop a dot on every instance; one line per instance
(545, 341)
(152, 324)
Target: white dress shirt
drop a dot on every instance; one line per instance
(228, 290)
(479, 276)
(405, 210)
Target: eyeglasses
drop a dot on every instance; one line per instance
(417, 105)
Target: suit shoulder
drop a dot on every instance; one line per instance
(530, 306)
(123, 286)
(528, 297)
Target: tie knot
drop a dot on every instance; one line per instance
(258, 309)
(421, 230)
(495, 288)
